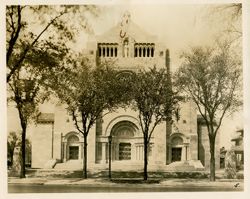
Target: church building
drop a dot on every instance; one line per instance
(179, 146)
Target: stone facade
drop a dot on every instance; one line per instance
(129, 48)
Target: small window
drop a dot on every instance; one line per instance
(161, 53)
(148, 52)
(115, 51)
(152, 52)
(135, 51)
(111, 53)
(99, 51)
(103, 52)
(107, 51)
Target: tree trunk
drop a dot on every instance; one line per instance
(85, 157)
(145, 159)
(23, 149)
(212, 158)
(24, 127)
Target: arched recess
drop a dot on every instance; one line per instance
(177, 147)
(124, 135)
(118, 119)
(72, 146)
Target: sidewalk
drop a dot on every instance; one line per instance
(104, 182)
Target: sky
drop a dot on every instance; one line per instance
(177, 26)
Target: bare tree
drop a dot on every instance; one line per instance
(211, 77)
(228, 16)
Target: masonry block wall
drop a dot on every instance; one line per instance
(204, 148)
(159, 148)
(41, 145)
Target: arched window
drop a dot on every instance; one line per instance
(100, 51)
(108, 51)
(115, 51)
(103, 51)
(140, 52)
(135, 51)
(148, 52)
(144, 52)
(152, 52)
(111, 53)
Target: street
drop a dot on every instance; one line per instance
(43, 188)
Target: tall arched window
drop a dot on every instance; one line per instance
(135, 51)
(108, 51)
(103, 51)
(115, 51)
(144, 52)
(152, 52)
(100, 51)
(140, 52)
(148, 54)
(111, 53)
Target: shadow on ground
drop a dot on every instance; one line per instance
(115, 174)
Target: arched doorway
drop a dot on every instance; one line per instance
(72, 147)
(176, 151)
(124, 139)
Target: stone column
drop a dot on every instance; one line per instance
(169, 153)
(64, 152)
(80, 151)
(103, 161)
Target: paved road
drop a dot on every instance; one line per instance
(31, 188)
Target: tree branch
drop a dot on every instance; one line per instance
(76, 122)
(19, 62)
(15, 33)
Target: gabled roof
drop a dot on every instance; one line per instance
(132, 30)
(45, 118)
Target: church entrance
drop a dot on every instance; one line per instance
(124, 141)
(72, 147)
(73, 152)
(176, 154)
(176, 149)
(124, 151)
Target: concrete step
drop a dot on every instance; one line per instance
(71, 164)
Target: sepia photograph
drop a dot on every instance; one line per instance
(127, 97)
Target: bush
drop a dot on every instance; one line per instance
(230, 165)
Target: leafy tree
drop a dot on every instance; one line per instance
(46, 25)
(35, 47)
(211, 77)
(156, 102)
(87, 91)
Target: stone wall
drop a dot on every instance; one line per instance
(41, 145)
(204, 148)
